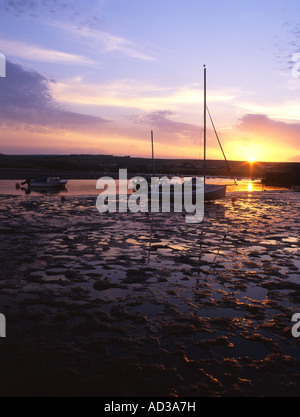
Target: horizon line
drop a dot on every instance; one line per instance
(145, 157)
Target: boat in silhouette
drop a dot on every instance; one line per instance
(46, 182)
(211, 191)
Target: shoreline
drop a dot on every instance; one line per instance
(96, 166)
(95, 176)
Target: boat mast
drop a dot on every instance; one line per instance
(204, 156)
(153, 162)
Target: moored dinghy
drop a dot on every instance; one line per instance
(47, 182)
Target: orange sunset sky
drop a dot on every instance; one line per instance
(97, 76)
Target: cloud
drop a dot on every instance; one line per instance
(287, 44)
(27, 104)
(284, 110)
(79, 20)
(105, 41)
(37, 53)
(137, 96)
(162, 121)
(270, 131)
(75, 11)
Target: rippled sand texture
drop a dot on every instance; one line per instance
(142, 305)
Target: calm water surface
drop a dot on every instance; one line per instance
(88, 187)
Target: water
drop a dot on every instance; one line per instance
(88, 187)
(151, 295)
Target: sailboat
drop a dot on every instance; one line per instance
(211, 191)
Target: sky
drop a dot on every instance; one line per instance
(96, 76)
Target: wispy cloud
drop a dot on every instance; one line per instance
(73, 10)
(38, 53)
(288, 110)
(129, 93)
(125, 93)
(81, 21)
(104, 41)
(287, 43)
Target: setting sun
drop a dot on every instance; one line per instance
(149, 201)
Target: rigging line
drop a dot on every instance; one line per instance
(228, 166)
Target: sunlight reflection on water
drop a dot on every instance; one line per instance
(88, 187)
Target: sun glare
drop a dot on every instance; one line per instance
(252, 159)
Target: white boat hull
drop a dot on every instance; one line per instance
(211, 192)
(50, 182)
(48, 185)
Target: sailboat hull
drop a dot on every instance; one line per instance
(214, 192)
(211, 192)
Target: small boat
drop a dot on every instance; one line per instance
(214, 192)
(48, 182)
(211, 191)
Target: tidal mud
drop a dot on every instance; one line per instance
(147, 305)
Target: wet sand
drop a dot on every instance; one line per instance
(145, 305)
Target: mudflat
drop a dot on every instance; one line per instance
(137, 304)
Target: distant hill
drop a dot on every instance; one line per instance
(95, 166)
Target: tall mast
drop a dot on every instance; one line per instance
(153, 162)
(204, 156)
